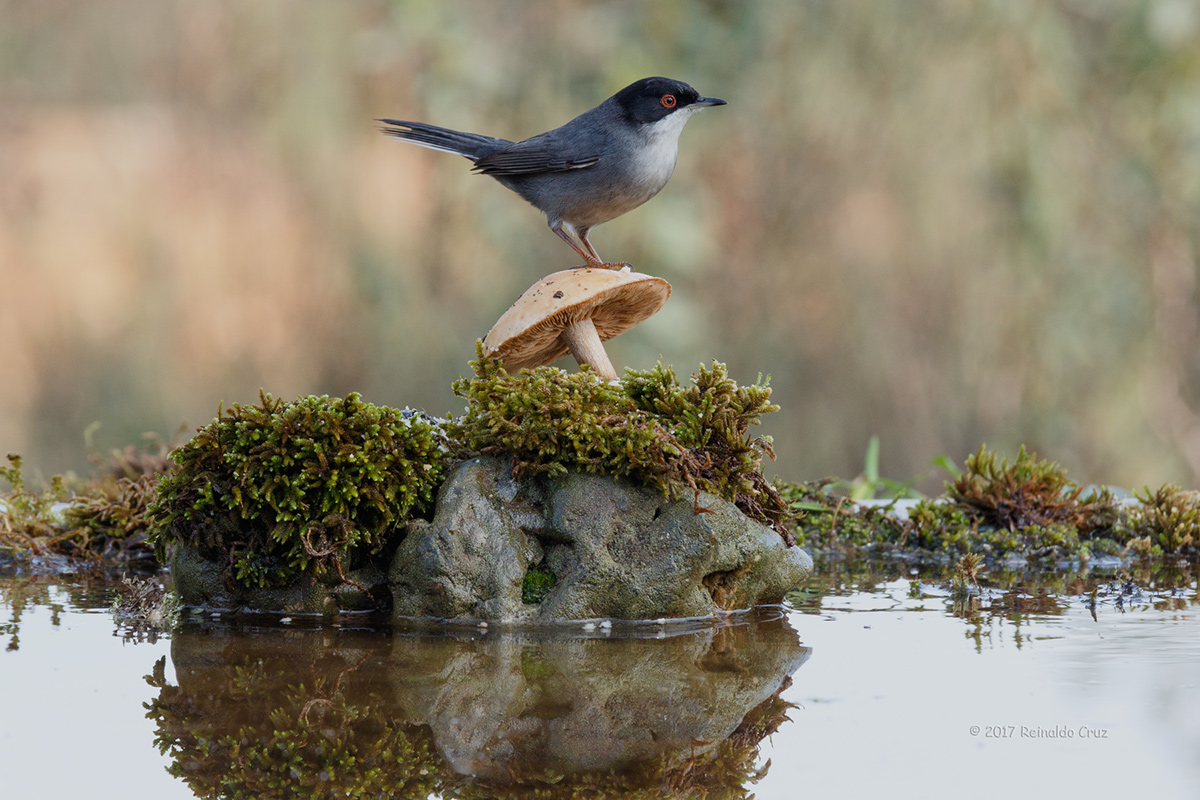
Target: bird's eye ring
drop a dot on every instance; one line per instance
(667, 101)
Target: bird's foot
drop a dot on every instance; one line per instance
(604, 265)
(607, 265)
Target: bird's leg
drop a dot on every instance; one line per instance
(591, 258)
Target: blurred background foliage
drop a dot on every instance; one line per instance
(941, 222)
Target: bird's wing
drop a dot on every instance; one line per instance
(534, 155)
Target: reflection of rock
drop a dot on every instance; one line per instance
(472, 717)
(505, 706)
(618, 551)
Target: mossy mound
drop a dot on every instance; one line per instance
(647, 427)
(1027, 508)
(279, 490)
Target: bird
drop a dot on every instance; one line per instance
(600, 165)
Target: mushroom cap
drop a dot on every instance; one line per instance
(527, 335)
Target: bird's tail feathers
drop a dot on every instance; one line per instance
(470, 145)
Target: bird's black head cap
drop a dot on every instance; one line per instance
(651, 99)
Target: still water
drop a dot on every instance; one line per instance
(871, 682)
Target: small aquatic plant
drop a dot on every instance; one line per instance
(278, 489)
(966, 575)
(647, 427)
(1029, 508)
(143, 602)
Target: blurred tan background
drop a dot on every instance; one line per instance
(945, 223)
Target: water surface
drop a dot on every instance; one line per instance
(871, 681)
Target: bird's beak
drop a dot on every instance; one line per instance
(709, 101)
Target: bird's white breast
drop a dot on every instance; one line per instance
(655, 159)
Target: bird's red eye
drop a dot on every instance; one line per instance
(668, 101)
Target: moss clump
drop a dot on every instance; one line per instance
(647, 427)
(113, 510)
(1027, 508)
(279, 489)
(1167, 521)
(537, 584)
(29, 523)
(104, 517)
(144, 607)
(1030, 492)
(828, 521)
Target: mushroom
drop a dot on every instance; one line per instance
(574, 310)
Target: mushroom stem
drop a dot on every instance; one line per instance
(583, 341)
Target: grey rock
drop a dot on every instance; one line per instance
(618, 551)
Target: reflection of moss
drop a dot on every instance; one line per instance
(537, 584)
(308, 743)
(1003, 593)
(647, 427)
(278, 488)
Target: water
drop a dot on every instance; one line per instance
(873, 681)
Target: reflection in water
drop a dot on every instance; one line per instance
(306, 713)
(49, 589)
(1008, 598)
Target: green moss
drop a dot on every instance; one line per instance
(28, 523)
(537, 584)
(280, 489)
(103, 517)
(646, 427)
(1167, 521)
(1030, 493)
(1028, 508)
(829, 521)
